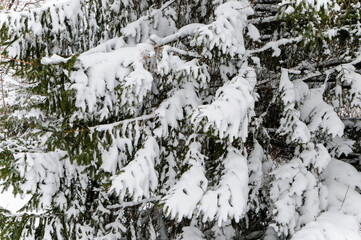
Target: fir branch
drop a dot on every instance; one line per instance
(17, 60)
(105, 127)
(78, 130)
(30, 3)
(132, 204)
(275, 44)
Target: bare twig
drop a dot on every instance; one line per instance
(348, 187)
(29, 3)
(131, 204)
(17, 60)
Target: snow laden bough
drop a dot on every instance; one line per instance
(155, 125)
(227, 199)
(342, 219)
(192, 195)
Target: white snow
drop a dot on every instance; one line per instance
(183, 198)
(229, 198)
(297, 196)
(101, 72)
(290, 123)
(139, 178)
(229, 114)
(11, 202)
(341, 180)
(226, 32)
(330, 225)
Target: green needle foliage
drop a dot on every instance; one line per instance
(192, 119)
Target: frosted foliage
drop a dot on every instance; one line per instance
(225, 201)
(175, 120)
(253, 32)
(42, 173)
(228, 200)
(177, 69)
(255, 172)
(159, 23)
(184, 99)
(330, 225)
(184, 197)
(315, 112)
(113, 158)
(297, 194)
(338, 146)
(226, 33)
(139, 179)
(255, 160)
(316, 4)
(101, 73)
(117, 228)
(172, 109)
(349, 76)
(53, 26)
(290, 123)
(229, 114)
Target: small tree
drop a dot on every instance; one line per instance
(179, 119)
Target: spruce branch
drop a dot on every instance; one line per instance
(132, 204)
(17, 60)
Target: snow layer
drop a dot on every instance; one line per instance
(229, 199)
(101, 73)
(229, 114)
(290, 124)
(330, 225)
(296, 193)
(225, 34)
(43, 171)
(139, 178)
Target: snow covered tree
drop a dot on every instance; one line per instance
(182, 120)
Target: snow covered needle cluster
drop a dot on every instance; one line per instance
(181, 120)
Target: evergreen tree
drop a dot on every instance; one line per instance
(192, 119)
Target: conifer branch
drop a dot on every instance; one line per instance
(132, 204)
(78, 130)
(17, 60)
(30, 3)
(105, 127)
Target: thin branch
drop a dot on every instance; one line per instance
(132, 204)
(17, 60)
(29, 3)
(105, 127)
(181, 33)
(348, 187)
(276, 44)
(80, 130)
